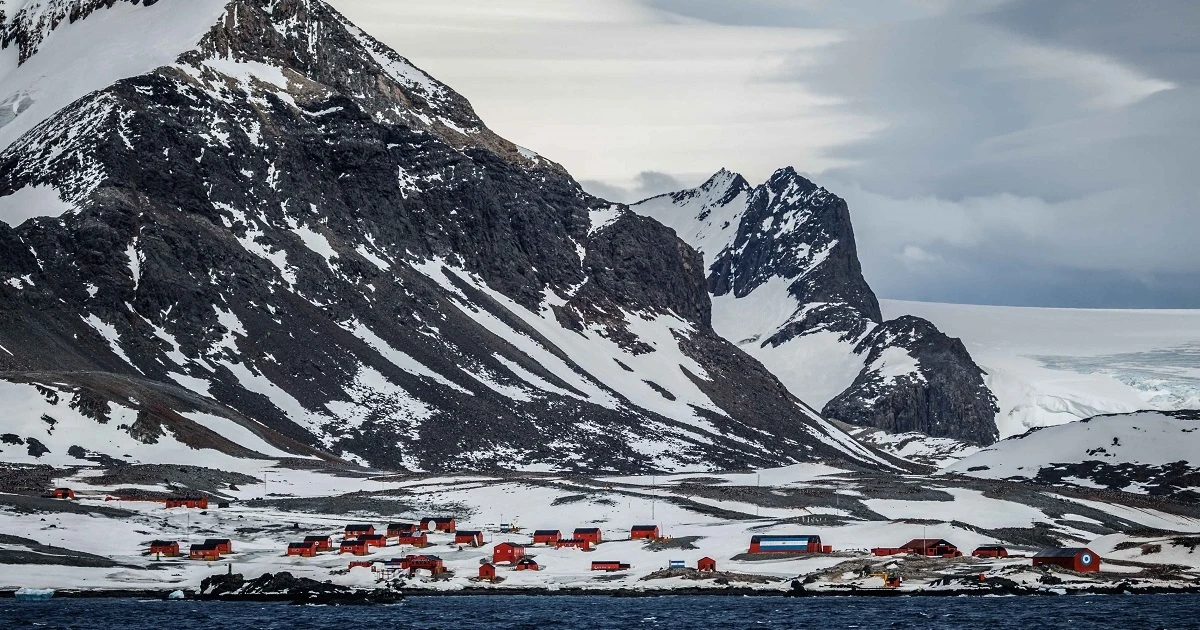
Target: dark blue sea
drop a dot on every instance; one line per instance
(587, 613)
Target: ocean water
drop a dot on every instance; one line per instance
(588, 613)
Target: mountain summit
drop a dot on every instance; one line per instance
(251, 215)
(787, 288)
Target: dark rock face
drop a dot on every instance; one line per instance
(296, 228)
(942, 395)
(791, 230)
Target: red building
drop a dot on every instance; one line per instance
(396, 530)
(642, 532)
(204, 552)
(581, 543)
(990, 551)
(356, 547)
(590, 534)
(416, 540)
(302, 549)
(223, 545)
(546, 536)
(359, 529)
(438, 524)
(487, 571)
(609, 565)
(324, 543)
(1078, 559)
(433, 564)
(507, 552)
(932, 547)
(366, 564)
(527, 564)
(374, 540)
(706, 564)
(200, 503)
(64, 493)
(469, 537)
(168, 548)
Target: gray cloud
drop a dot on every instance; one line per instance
(1030, 154)
(645, 184)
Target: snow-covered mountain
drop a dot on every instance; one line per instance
(788, 289)
(254, 211)
(1151, 452)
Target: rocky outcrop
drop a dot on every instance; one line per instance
(788, 288)
(917, 379)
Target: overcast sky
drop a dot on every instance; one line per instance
(1030, 152)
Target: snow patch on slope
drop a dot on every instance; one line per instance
(135, 39)
(31, 202)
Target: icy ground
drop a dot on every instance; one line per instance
(94, 543)
(1049, 366)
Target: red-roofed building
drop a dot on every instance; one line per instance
(302, 549)
(200, 503)
(355, 546)
(469, 537)
(63, 493)
(433, 564)
(507, 552)
(438, 524)
(204, 552)
(590, 534)
(527, 564)
(223, 545)
(167, 548)
(546, 536)
(420, 539)
(374, 540)
(706, 564)
(359, 529)
(487, 571)
(324, 543)
(643, 532)
(1078, 559)
(609, 565)
(932, 547)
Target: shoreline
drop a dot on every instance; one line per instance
(192, 596)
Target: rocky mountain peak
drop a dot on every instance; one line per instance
(286, 224)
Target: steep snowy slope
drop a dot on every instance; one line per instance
(787, 287)
(1048, 366)
(1151, 452)
(303, 229)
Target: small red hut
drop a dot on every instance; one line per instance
(507, 552)
(64, 493)
(990, 551)
(527, 564)
(324, 543)
(643, 532)
(355, 546)
(204, 552)
(223, 545)
(706, 564)
(546, 536)
(366, 564)
(1078, 559)
(438, 524)
(302, 549)
(487, 571)
(469, 537)
(419, 539)
(167, 548)
(590, 534)
(359, 529)
(609, 565)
